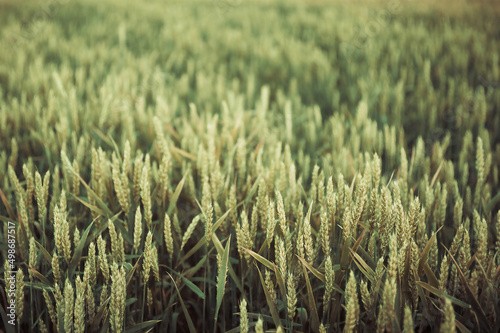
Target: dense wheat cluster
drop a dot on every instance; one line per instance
(221, 166)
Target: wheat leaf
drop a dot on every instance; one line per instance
(221, 278)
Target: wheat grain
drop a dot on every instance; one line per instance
(103, 260)
(448, 325)
(117, 298)
(33, 257)
(243, 316)
(149, 299)
(208, 216)
(164, 170)
(280, 255)
(365, 296)
(190, 230)
(245, 233)
(138, 228)
(169, 242)
(352, 305)
(390, 287)
(433, 255)
(42, 193)
(19, 294)
(145, 191)
(50, 306)
(254, 222)
(76, 178)
(14, 153)
(444, 274)
(89, 279)
(138, 167)
(43, 327)
(79, 311)
(271, 223)
(30, 191)
(120, 188)
(457, 213)
(113, 236)
(407, 321)
(69, 303)
(321, 188)
(308, 242)
(148, 257)
(280, 207)
(270, 286)
(329, 279)
(76, 237)
(154, 263)
(259, 326)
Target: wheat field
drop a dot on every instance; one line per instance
(263, 166)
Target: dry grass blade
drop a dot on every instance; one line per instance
(313, 270)
(221, 219)
(472, 298)
(192, 251)
(38, 275)
(130, 273)
(425, 252)
(264, 246)
(91, 207)
(434, 178)
(101, 313)
(309, 211)
(99, 201)
(251, 192)
(496, 276)
(261, 259)
(221, 278)
(233, 275)
(202, 240)
(103, 225)
(281, 282)
(175, 196)
(105, 138)
(368, 259)
(443, 295)
(358, 241)
(7, 206)
(38, 285)
(345, 259)
(363, 266)
(405, 286)
(191, 326)
(78, 251)
(311, 302)
(430, 275)
(142, 326)
(270, 303)
(183, 153)
(45, 253)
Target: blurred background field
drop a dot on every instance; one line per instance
(363, 118)
(331, 55)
